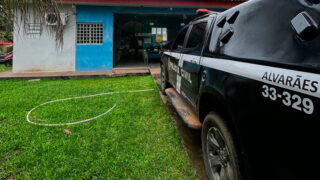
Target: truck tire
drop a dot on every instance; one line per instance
(219, 152)
(164, 83)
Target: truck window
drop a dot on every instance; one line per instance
(178, 44)
(196, 35)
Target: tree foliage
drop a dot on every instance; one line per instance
(6, 25)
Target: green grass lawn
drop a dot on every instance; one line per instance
(4, 68)
(136, 140)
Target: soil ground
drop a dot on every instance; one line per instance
(191, 139)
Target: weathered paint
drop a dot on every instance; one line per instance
(38, 53)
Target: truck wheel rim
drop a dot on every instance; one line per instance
(220, 166)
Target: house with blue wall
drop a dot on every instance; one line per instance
(101, 35)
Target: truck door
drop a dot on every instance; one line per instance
(190, 61)
(173, 59)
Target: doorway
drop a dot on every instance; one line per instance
(139, 38)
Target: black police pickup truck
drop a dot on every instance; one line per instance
(249, 78)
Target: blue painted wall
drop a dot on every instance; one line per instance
(95, 57)
(99, 57)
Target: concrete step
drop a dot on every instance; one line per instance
(185, 111)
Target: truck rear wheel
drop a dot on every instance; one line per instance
(219, 152)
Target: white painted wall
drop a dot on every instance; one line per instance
(38, 53)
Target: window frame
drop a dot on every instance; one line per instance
(213, 39)
(212, 20)
(188, 34)
(34, 28)
(99, 33)
(184, 41)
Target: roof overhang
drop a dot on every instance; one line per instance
(157, 3)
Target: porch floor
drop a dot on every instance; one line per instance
(114, 72)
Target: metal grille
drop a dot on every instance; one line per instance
(89, 33)
(34, 28)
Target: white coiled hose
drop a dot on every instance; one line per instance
(80, 97)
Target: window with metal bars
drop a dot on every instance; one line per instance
(89, 33)
(34, 28)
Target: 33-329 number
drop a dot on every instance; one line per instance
(294, 101)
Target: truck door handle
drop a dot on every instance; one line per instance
(194, 61)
